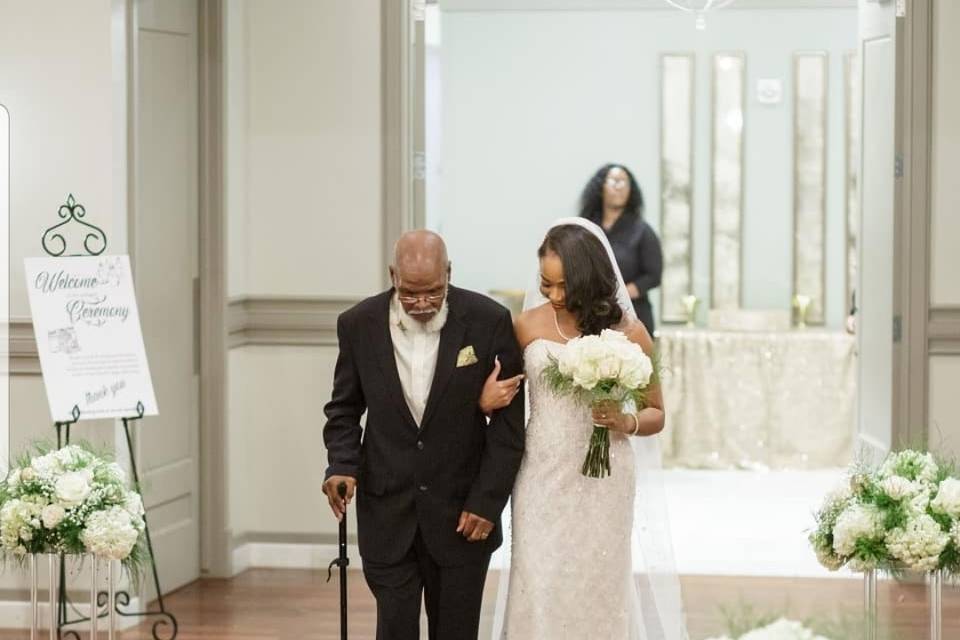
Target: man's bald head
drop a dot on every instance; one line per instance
(421, 269)
(420, 250)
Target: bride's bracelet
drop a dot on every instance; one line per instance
(636, 424)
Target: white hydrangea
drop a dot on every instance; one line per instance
(919, 543)
(18, 517)
(828, 558)
(110, 533)
(13, 479)
(74, 456)
(47, 467)
(117, 472)
(782, 629)
(948, 498)
(855, 522)
(134, 506)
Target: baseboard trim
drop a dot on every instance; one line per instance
(278, 555)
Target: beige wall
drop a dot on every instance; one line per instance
(308, 120)
(303, 183)
(944, 369)
(57, 80)
(58, 85)
(945, 224)
(55, 65)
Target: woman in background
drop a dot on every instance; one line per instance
(612, 199)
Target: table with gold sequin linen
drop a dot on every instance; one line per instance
(758, 399)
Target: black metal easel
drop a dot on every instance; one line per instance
(73, 212)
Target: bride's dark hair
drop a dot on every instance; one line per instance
(591, 283)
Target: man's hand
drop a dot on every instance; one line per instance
(338, 505)
(498, 394)
(473, 527)
(633, 291)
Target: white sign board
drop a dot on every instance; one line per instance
(88, 335)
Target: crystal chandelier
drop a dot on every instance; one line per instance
(699, 8)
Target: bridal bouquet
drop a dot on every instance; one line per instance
(601, 369)
(70, 501)
(904, 514)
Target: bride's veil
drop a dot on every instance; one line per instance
(658, 602)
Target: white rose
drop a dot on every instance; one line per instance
(609, 367)
(586, 376)
(636, 371)
(52, 515)
(616, 337)
(948, 498)
(28, 474)
(73, 488)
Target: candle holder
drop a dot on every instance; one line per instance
(802, 304)
(690, 303)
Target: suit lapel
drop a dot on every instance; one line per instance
(451, 340)
(387, 359)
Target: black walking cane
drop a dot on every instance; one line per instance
(343, 562)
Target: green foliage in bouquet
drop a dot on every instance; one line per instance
(71, 501)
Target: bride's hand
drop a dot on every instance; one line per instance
(497, 394)
(610, 415)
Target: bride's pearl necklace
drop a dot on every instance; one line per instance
(556, 321)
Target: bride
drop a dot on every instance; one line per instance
(577, 542)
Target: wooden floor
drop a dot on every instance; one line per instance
(268, 604)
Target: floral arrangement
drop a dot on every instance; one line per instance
(781, 629)
(601, 369)
(903, 514)
(71, 501)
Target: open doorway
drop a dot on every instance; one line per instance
(756, 154)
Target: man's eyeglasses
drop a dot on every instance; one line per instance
(429, 299)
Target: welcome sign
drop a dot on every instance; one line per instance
(88, 336)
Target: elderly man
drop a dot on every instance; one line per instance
(432, 468)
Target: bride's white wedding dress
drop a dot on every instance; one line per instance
(570, 567)
(590, 558)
